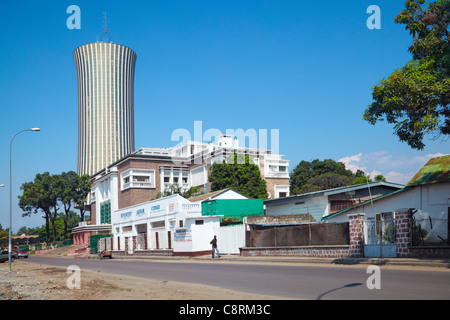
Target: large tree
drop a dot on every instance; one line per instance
(316, 175)
(82, 191)
(240, 173)
(68, 184)
(416, 97)
(39, 195)
(48, 193)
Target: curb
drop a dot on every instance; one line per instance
(332, 261)
(425, 262)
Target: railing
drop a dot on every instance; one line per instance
(136, 184)
(141, 241)
(276, 174)
(191, 207)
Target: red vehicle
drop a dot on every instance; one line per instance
(22, 253)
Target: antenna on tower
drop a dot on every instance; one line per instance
(106, 29)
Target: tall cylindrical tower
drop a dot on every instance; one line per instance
(105, 77)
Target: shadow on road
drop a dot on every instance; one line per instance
(350, 285)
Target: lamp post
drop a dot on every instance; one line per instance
(10, 193)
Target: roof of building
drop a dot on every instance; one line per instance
(328, 192)
(25, 237)
(364, 203)
(211, 195)
(434, 171)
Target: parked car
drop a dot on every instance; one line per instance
(22, 253)
(5, 257)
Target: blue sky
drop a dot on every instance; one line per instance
(305, 68)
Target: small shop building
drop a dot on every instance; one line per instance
(174, 225)
(167, 226)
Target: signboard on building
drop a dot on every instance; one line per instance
(183, 235)
(125, 215)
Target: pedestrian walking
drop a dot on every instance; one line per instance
(214, 247)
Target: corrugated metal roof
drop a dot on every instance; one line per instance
(332, 191)
(436, 170)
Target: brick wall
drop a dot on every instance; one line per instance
(306, 251)
(133, 196)
(403, 233)
(404, 248)
(82, 238)
(144, 253)
(356, 222)
(272, 182)
(93, 214)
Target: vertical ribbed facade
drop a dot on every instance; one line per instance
(105, 77)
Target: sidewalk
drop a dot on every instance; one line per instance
(445, 263)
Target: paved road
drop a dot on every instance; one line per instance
(289, 281)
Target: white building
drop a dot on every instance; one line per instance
(150, 172)
(322, 203)
(198, 157)
(166, 225)
(174, 225)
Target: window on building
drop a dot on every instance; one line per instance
(198, 222)
(105, 212)
(158, 224)
(338, 205)
(141, 178)
(138, 178)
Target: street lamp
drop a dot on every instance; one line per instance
(10, 193)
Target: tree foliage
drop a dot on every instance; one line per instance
(416, 97)
(48, 193)
(316, 175)
(177, 189)
(240, 173)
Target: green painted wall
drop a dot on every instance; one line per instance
(233, 210)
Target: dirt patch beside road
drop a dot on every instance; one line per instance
(30, 281)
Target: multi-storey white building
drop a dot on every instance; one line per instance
(200, 156)
(150, 172)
